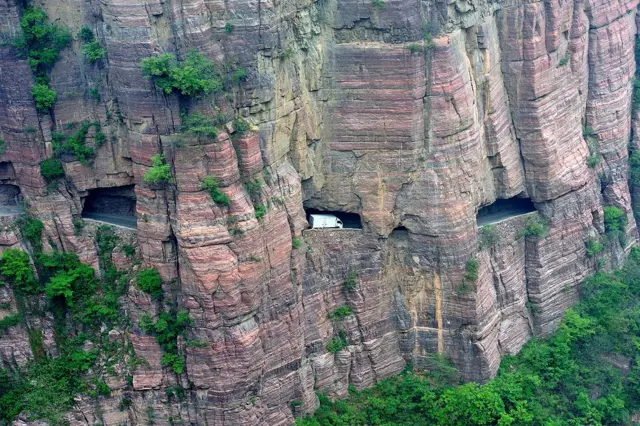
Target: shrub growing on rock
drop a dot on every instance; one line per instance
(211, 184)
(198, 125)
(159, 172)
(93, 51)
(51, 169)
(149, 281)
(337, 343)
(489, 236)
(194, 76)
(43, 96)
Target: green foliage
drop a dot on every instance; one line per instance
(31, 229)
(10, 321)
(594, 247)
(240, 125)
(3, 146)
(211, 184)
(198, 125)
(593, 160)
(296, 242)
(340, 312)
(129, 250)
(537, 228)
(75, 144)
(41, 43)
(16, 268)
(337, 343)
(149, 281)
(615, 220)
(166, 330)
(44, 97)
(471, 269)
(159, 172)
(51, 169)
(85, 34)
(260, 210)
(79, 304)
(228, 28)
(414, 48)
(564, 61)
(93, 51)
(378, 4)
(254, 187)
(573, 378)
(350, 281)
(194, 76)
(489, 236)
(41, 40)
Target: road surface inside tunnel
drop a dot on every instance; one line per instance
(124, 221)
(349, 220)
(503, 210)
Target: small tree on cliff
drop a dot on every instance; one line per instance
(158, 173)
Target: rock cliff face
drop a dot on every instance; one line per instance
(413, 114)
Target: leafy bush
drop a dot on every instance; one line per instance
(194, 76)
(41, 43)
(211, 184)
(254, 187)
(350, 281)
(159, 172)
(31, 229)
(3, 146)
(489, 236)
(166, 330)
(93, 51)
(10, 321)
(296, 242)
(16, 268)
(615, 220)
(85, 34)
(197, 125)
(51, 169)
(340, 312)
(378, 4)
(228, 28)
(471, 269)
(44, 97)
(260, 210)
(337, 343)
(71, 282)
(537, 228)
(594, 247)
(129, 250)
(414, 48)
(240, 125)
(41, 40)
(75, 144)
(149, 281)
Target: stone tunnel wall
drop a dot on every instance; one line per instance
(344, 117)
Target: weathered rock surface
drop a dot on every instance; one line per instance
(352, 111)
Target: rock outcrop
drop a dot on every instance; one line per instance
(411, 114)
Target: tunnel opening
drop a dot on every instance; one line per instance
(10, 200)
(504, 209)
(116, 205)
(349, 220)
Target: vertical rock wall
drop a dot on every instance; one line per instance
(413, 115)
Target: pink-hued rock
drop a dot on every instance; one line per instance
(353, 110)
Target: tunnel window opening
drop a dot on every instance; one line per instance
(115, 205)
(10, 200)
(399, 232)
(504, 209)
(348, 220)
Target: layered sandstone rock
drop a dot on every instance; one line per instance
(352, 109)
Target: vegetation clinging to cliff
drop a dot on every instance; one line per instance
(575, 377)
(41, 43)
(159, 172)
(194, 76)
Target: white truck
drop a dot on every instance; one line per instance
(324, 221)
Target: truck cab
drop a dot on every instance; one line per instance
(324, 221)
